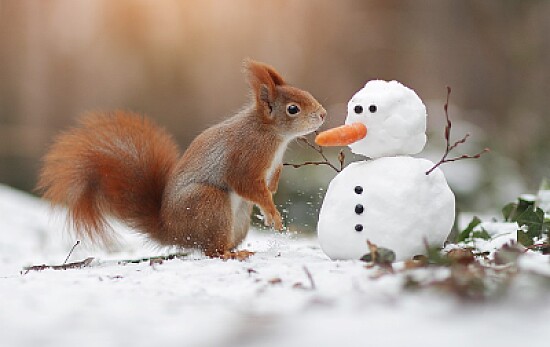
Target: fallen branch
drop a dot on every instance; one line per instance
(543, 246)
(450, 147)
(310, 278)
(155, 259)
(75, 265)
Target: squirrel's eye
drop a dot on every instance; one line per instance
(358, 109)
(293, 109)
(372, 108)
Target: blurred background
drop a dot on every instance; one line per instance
(179, 62)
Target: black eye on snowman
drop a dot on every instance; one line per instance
(358, 109)
(373, 108)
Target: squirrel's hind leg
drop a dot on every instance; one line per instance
(201, 217)
(208, 218)
(242, 209)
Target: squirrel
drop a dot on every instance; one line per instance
(122, 165)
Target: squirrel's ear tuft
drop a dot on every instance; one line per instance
(263, 80)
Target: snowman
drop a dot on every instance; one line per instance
(389, 200)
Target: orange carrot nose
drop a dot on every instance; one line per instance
(342, 135)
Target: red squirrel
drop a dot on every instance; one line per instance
(122, 165)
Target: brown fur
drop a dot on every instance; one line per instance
(122, 165)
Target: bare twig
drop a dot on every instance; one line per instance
(71, 252)
(450, 147)
(75, 265)
(342, 159)
(297, 166)
(310, 278)
(155, 259)
(538, 245)
(319, 150)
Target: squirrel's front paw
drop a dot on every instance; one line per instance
(276, 221)
(273, 220)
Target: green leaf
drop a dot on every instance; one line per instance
(435, 257)
(524, 239)
(465, 234)
(523, 205)
(535, 225)
(513, 210)
(533, 219)
(509, 211)
(482, 234)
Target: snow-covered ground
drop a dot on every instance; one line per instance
(265, 301)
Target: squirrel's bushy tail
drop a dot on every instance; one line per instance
(115, 164)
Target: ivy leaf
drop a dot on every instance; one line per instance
(523, 205)
(481, 234)
(467, 233)
(512, 211)
(533, 219)
(508, 211)
(535, 225)
(434, 256)
(524, 239)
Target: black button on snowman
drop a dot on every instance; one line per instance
(389, 200)
(359, 208)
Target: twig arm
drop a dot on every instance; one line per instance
(448, 146)
(319, 150)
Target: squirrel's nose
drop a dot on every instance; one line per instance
(323, 114)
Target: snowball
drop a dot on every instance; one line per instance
(395, 118)
(389, 201)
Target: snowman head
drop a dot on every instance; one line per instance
(395, 118)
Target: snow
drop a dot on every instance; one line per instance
(395, 118)
(402, 207)
(501, 233)
(208, 302)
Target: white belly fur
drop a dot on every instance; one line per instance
(240, 207)
(241, 219)
(277, 160)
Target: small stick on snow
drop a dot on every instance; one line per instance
(450, 147)
(75, 265)
(172, 256)
(310, 277)
(71, 251)
(538, 245)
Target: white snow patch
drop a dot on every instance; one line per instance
(208, 302)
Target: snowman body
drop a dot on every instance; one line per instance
(389, 201)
